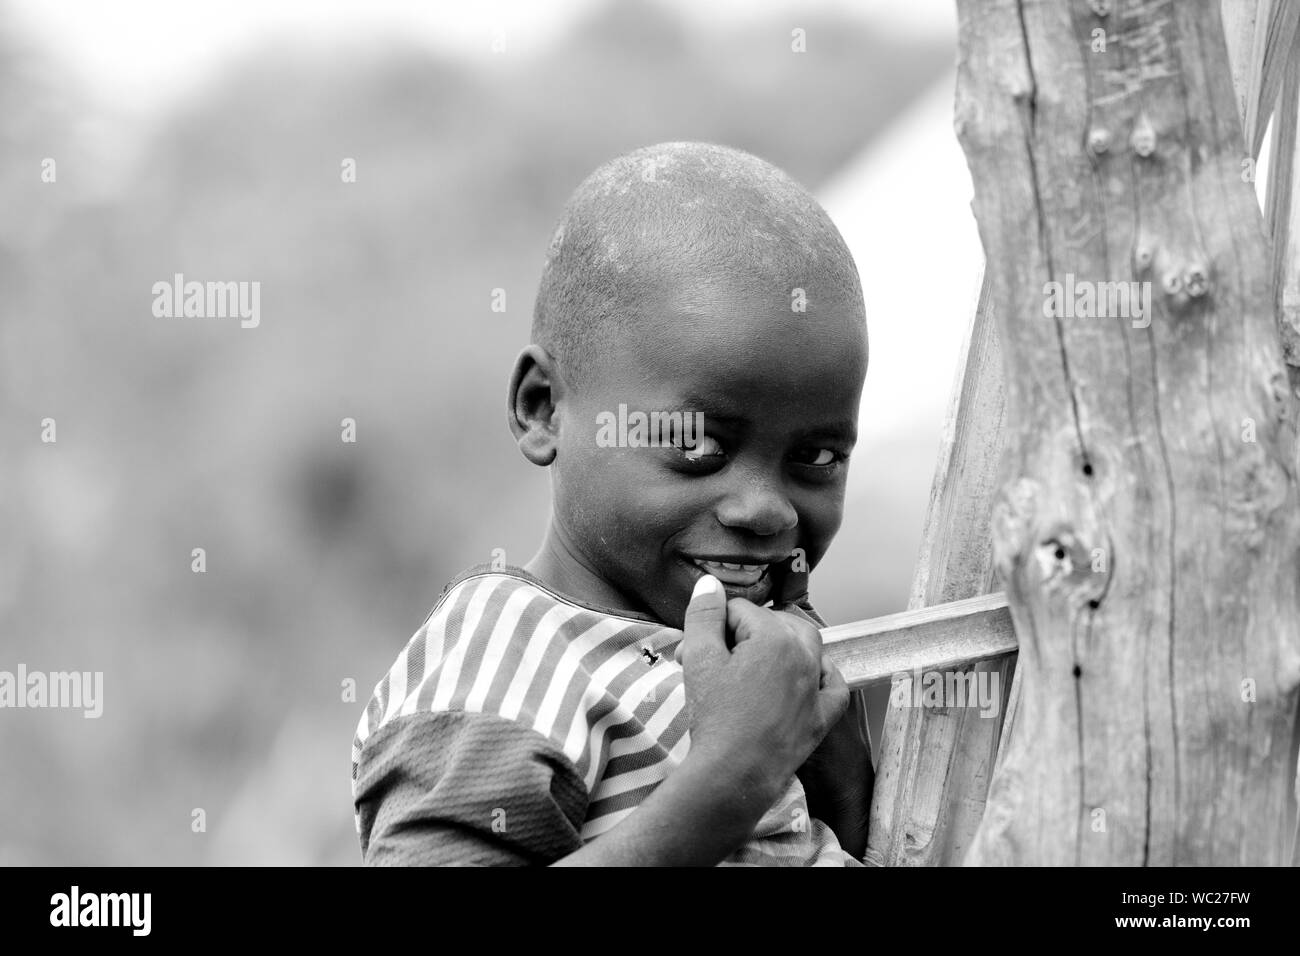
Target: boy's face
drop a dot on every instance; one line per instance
(779, 392)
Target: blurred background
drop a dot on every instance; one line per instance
(208, 139)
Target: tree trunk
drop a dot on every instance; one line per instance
(1148, 535)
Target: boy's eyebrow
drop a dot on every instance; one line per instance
(845, 428)
(694, 402)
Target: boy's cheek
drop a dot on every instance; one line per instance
(822, 520)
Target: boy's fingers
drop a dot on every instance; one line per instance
(744, 618)
(705, 627)
(832, 679)
(802, 627)
(797, 611)
(833, 698)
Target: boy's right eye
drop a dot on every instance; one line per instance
(704, 457)
(705, 447)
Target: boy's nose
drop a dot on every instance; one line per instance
(759, 507)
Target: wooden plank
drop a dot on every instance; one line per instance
(1150, 550)
(1261, 36)
(955, 560)
(938, 638)
(1239, 19)
(1282, 217)
(1281, 211)
(1275, 40)
(933, 772)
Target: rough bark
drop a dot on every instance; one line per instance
(1148, 533)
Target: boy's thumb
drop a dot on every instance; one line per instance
(705, 628)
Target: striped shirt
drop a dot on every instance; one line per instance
(517, 725)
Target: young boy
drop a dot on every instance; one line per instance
(628, 697)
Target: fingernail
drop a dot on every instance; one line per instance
(706, 585)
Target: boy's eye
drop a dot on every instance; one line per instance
(819, 457)
(704, 447)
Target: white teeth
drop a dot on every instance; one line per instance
(729, 573)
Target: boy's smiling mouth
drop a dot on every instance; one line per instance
(742, 576)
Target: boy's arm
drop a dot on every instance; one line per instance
(693, 818)
(445, 788)
(441, 789)
(452, 789)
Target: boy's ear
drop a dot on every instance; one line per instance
(535, 390)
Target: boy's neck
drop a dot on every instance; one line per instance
(557, 565)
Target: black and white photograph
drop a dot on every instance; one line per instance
(650, 433)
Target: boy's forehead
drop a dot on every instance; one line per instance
(738, 307)
(729, 345)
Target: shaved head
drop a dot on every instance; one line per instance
(665, 220)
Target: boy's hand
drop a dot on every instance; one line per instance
(838, 778)
(757, 712)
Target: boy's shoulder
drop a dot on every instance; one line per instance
(500, 642)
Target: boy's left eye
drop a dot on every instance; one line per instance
(820, 457)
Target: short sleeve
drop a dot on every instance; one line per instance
(468, 789)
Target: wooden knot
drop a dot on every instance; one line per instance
(1279, 390)
(1258, 491)
(1073, 567)
(1144, 253)
(1143, 139)
(1197, 279)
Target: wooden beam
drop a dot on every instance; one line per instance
(933, 772)
(1281, 209)
(939, 638)
(1261, 37)
(1239, 19)
(1148, 533)
(1275, 40)
(956, 558)
(1282, 217)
